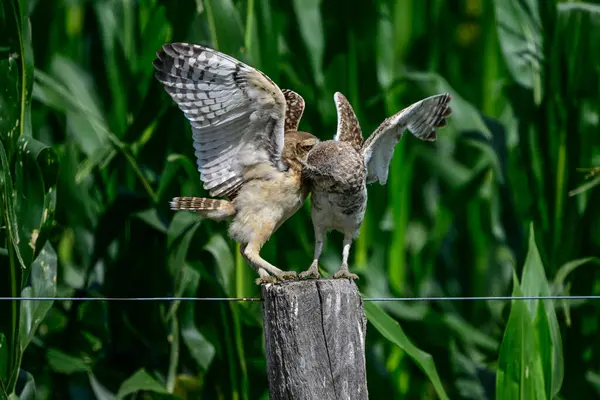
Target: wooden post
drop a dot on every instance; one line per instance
(315, 340)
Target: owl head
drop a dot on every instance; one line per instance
(297, 145)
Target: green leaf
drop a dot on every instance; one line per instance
(140, 381)
(99, 390)
(534, 283)
(7, 198)
(519, 29)
(179, 236)
(468, 333)
(560, 288)
(470, 379)
(558, 284)
(530, 364)
(175, 163)
(16, 73)
(64, 363)
(392, 331)
(70, 89)
(28, 392)
(594, 379)
(199, 347)
(310, 24)
(520, 374)
(43, 284)
(595, 181)
(217, 246)
(4, 362)
(175, 350)
(10, 111)
(35, 186)
(574, 46)
(225, 26)
(151, 217)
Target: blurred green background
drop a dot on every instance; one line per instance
(92, 149)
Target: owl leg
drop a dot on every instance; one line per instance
(251, 253)
(344, 272)
(313, 270)
(264, 275)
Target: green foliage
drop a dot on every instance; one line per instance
(393, 332)
(530, 364)
(92, 150)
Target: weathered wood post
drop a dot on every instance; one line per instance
(315, 340)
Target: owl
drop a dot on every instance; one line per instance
(339, 170)
(247, 144)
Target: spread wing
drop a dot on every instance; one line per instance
(348, 128)
(293, 110)
(421, 119)
(236, 112)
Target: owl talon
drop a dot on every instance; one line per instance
(286, 275)
(311, 272)
(344, 273)
(263, 280)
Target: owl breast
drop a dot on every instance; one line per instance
(338, 183)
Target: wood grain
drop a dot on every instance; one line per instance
(315, 340)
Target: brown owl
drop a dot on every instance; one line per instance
(339, 170)
(248, 148)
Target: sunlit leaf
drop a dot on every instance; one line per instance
(152, 218)
(7, 197)
(199, 347)
(43, 284)
(179, 236)
(471, 379)
(140, 381)
(530, 364)
(595, 181)
(308, 14)
(175, 164)
(225, 26)
(100, 391)
(392, 331)
(580, 71)
(568, 268)
(520, 374)
(534, 283)
(64, 363)
(594, 379)
(28, 391)
(10, 112)
(217, 246)
(520, 34)
(35, 181)
(71, 91)
(469, 333)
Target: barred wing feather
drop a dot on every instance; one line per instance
(236, 112)
(421, 119)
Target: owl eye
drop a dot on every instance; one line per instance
(308, 144)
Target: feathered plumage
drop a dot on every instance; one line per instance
(247, 145)
(338, 170)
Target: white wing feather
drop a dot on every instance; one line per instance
(421, 119)
(236, 112)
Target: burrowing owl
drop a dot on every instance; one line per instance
(338, 170)
(247, 144)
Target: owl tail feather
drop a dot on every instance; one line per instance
(209, 208)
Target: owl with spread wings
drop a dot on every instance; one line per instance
(247, 145)
(339, 170)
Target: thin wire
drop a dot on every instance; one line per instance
(482, 298)
(475, 298)
(131, 298)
